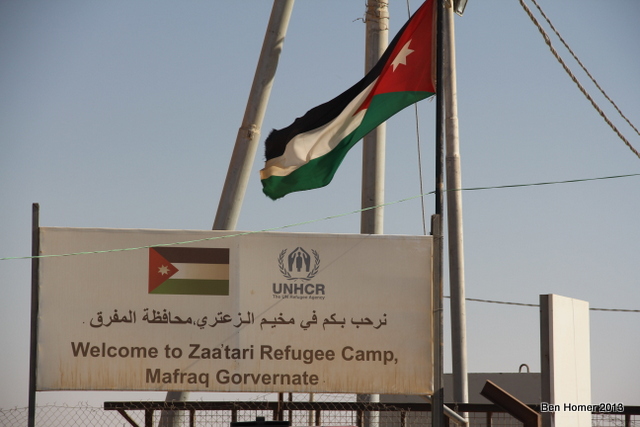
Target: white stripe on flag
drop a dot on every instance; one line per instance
(201, 271)
(318, 142)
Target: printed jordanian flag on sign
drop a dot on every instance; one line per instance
(189, 271)
(306, 154)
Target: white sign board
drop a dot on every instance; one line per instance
(259, 312)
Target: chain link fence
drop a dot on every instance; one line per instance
(300, 409)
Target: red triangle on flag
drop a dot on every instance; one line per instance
(159, 269)
(411, 65)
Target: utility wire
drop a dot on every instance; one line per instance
(624, 310)
(330, 217)
(575, 80)
(568, 181)
(584, 68)
(355, 212)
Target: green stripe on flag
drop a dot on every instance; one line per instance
(385, 105)
(193, 287)
(316, 173)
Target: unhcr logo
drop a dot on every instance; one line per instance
(295, 265)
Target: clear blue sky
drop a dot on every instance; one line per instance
(124, 114)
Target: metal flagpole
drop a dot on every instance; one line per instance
(437, 405)
(247, 140)
(454, 217)
(373, 151)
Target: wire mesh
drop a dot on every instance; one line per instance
(336, 410)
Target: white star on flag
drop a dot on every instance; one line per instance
(401, 57)
(163, 270)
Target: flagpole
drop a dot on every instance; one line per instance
(437, 401)
(454, 217)
(373, 148)
(247, 140)
(373, 151)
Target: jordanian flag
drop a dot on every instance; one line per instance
(307, 154)
(189, 271)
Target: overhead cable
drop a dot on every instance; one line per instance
(624, 310)
(566, 45)
(326, 218)
(575, 80)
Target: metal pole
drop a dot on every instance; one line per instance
(246, 145)
(454, 217)
(546, 395)
(373, 148)
(35, 305)
(244, 152)
(311, 414)
(437, 407)
(437, 399)
(373, 152)
(450, 413)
